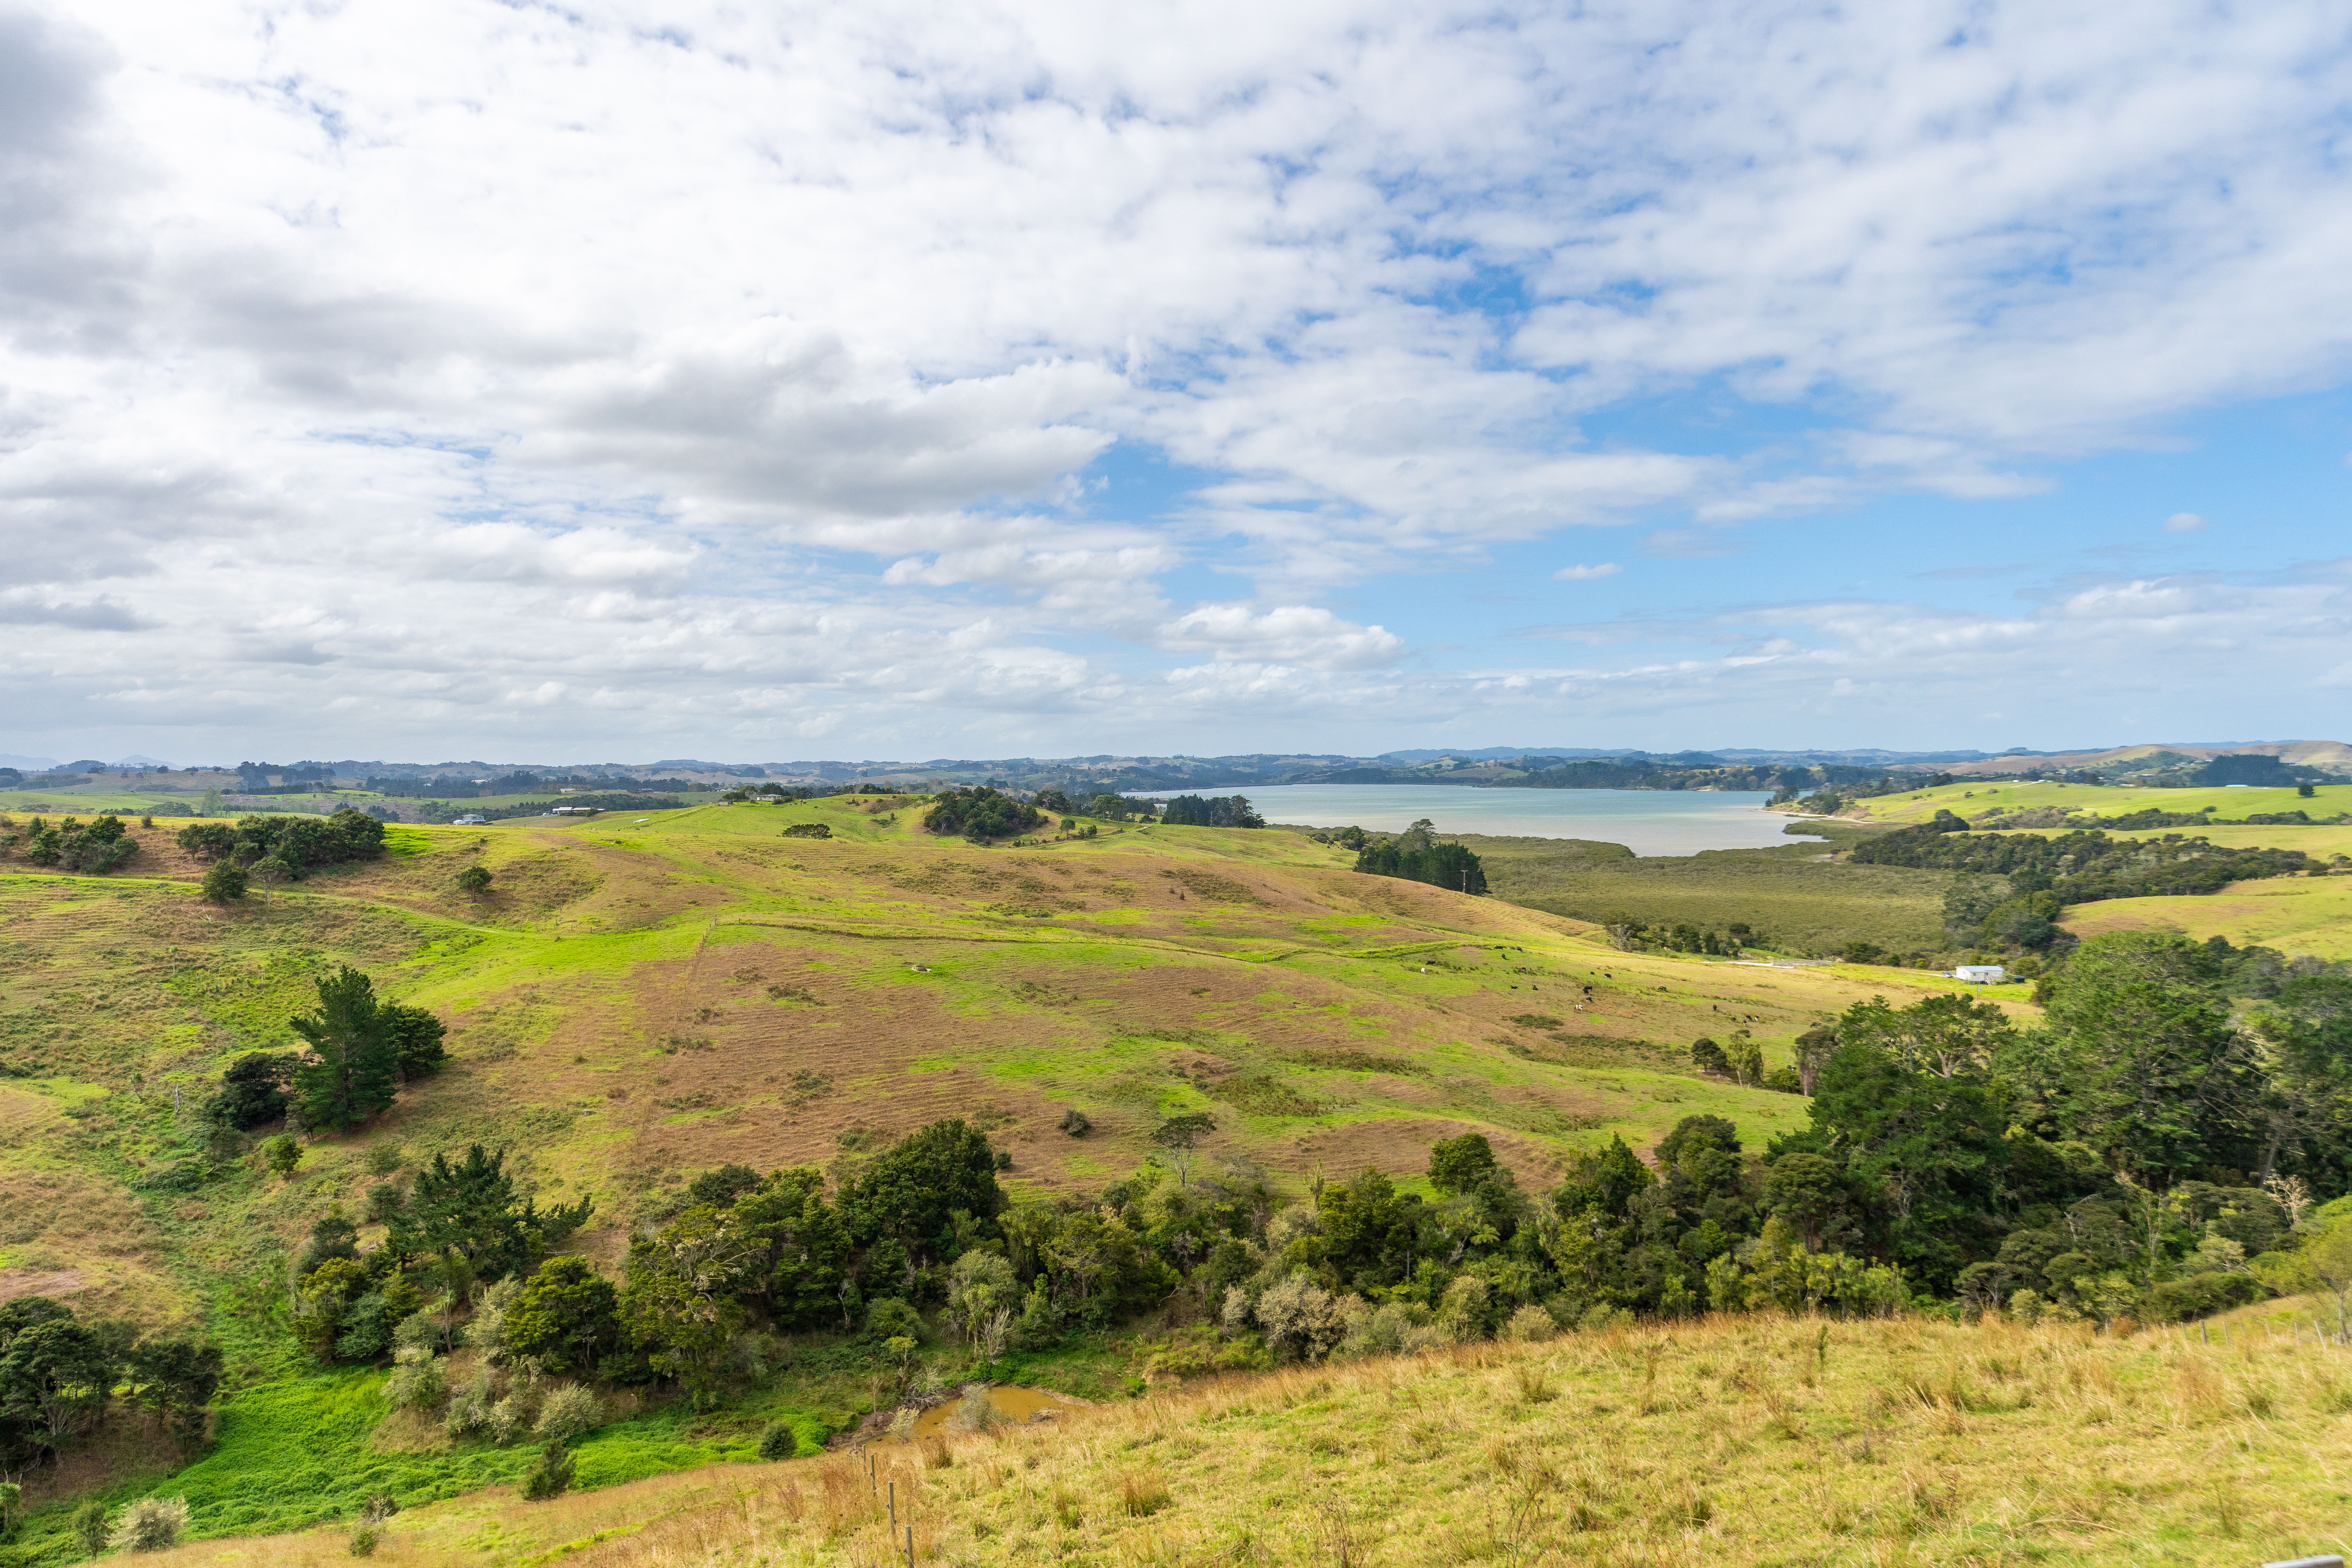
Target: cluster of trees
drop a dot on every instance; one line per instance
(2022, 881)
(59, 1377)
(459, 1227)
(70, 845)
(359, 1052)
(979, 814)
(1629, 934)
(296, 844)
(1416, 856)
(1109, 806)
(1212, 811)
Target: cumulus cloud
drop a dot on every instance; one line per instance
(1585, 573)
(481, 374)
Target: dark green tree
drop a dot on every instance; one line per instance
(470, 1209)
(804, 1249)
(1460, 1165)
(2171, 1086)
(414, 1035)
(566, 1317)
(908, 1192)
(224, 882)
(348, 1075)
(253, 1090)
(56, 1376)
(176, 1376)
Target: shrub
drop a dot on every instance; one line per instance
(889, 1318)
(551, 1477)
(283, 1155)
(777, 1442)
(1529, 1324)
(151, 1524)
(419, 1386)
(569, 1411)
(508, 1419)
(1075, 1123)
(90, 1527)
(224, 882)
(363, 1541)
(807, 830)
(474, 880)
(975, 1412)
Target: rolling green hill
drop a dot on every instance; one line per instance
(639, 999)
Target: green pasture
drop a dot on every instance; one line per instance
(1795, 894)
(1970, 798)
(2295, 915)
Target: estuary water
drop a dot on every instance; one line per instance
(1646, 821)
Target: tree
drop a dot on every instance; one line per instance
(474, 880)
(349, 1076)
(1707, 1057)
(283, 1155)
(224, 883)
(1807, 1191)
(910, 1191)
(1458, 1164)
(415, 1036)
(176, 1377)
(1947, 1035)
(1813, 1050)
(470, 1209)
(678, 1309)
(805, 1248)
(551, 1477)
(58, 1375)
(253, 1090)
(1178, 1134)
(565, 1319)
(979, 814)
(269, 871)
(2171, 1087)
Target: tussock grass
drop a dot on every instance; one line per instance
(1740, 1440)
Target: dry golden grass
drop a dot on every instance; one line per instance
(1751, 1441)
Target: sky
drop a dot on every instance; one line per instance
(614, 382)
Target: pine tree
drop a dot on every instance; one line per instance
(350, 1076)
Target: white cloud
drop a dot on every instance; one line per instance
(1585, 573)
(1287, 634)
(2183, 522)
(491, 375)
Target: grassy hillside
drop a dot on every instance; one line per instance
(2295, 915)
(1793, 893)
(1761, 1441)
(640, 999)
(1972, 798)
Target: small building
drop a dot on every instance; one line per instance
(1980, 974)
(470, 820)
